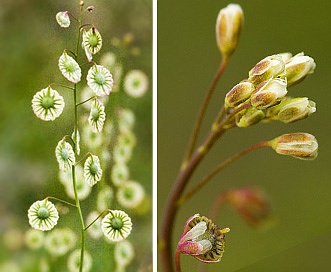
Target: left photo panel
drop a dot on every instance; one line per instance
(76, 136)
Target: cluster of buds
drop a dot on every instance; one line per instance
(202, 239)
(266, 88)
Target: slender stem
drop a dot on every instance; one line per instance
(63, 201)
(206, 179)
(100, 215)
(177, 261)
(203, 109)
(79, 210)
(183, 177)
(80, 103)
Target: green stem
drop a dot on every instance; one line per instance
(63, 201)
(79, 210)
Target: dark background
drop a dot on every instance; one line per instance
(300, 191)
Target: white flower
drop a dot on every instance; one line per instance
(92, 170)
(126, 119)
(136, 83)
(91, 139)
(97, 116)
(127, 138)
(100, 80)
(104, 198)
(65, 155)
(130, 194)
(74, 261)
(69, 68)
(43, 215)
(123, 253)
(119, 173)
(83, 189)
(47, 104)
(63, 19)
(92, 41)
(116, 225)
(34, 239)
(60, 241)
(122, 153)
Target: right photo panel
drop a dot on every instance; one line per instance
(243, 175)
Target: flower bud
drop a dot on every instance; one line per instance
(250, 203)
(270, 67)
(299, 145)
(228, 26)
(202, 239)
(63, 19)
(292, 109)
(298, 68)
(285, 56)
(249, 117)
(238, 94)
(268, 93)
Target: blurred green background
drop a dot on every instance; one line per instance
(31, 42)
(300, 191)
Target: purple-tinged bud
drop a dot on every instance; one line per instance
(202, 239)
(63, 19)
(90, 8)
(292, 109)
(298, 68)
(249, 117)
(239, 94)
(270, 67)
(228, 27)
(251, 204)
(268, 93)
(299, 145)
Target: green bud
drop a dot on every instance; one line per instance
(299, 145)
(298, 68)
(268, 93)
(270, 67)
(292, 109)
(249, 117)
(228, 27)
(239, 93)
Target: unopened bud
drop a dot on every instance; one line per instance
(270, 67)
(292, 109)
(63, 18)
(239, 93)
(268, 93)
(251, 204)
(249, 117)
(228, 27)
(299, 145)
(298, 68)
(90, 8)
(202, 239)
(285, 56)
